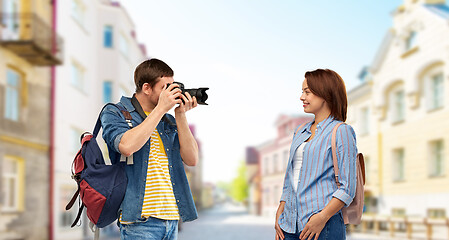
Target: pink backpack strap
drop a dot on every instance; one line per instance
(334, 153)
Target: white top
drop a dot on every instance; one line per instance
(297, 163)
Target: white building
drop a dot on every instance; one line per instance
(101, 53)
(400, 114)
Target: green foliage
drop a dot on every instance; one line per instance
(239, 189)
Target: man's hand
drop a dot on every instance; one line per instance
(169, 97)
(313, 227)
(189, 103)
(279, 233)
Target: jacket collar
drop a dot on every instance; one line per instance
(126, 101)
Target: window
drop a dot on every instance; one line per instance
(12, 181)
(436, 92)
(276, 195)
(365, 120)
(398, 165)
(285, 160)
(436, 213)
(108, 37)
(410, 41)
(123, 45)
(12, 99)
(107, 91)
(398, 106)
(287, 130)
(10, 24)
(275, 163)
(436, 168)
(266, 196)
(78, 12)
(78, 78)
(266, 162)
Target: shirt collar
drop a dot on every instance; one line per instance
(325, 122)
(321, 125)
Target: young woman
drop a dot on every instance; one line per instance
(311, 201)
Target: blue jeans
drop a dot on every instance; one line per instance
(334, 229)
(150, 229)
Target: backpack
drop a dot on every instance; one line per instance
(353, 213)
(101, 187)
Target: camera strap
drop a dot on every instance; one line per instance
(137, 106)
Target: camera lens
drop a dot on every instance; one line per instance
(199, 93)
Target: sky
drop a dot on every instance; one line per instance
(253, 56)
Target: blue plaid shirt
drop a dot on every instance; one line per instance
(317, 184)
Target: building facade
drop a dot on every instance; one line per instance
(195, 174)
(253, 178)
(101, 53)
(29, 49)
(400, 113)
(273, 158)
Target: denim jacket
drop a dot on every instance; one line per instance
(114, 126)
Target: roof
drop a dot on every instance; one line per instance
(441, 10)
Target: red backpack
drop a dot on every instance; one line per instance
(101, 187)
(353, 213)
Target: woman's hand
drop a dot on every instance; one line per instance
(313, 227)
(279, 233)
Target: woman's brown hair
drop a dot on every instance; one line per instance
(328, 85)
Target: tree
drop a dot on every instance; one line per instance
(239, 190)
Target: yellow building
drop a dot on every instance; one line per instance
(27, 49)
(400, 113)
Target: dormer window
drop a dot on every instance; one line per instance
(410, 41)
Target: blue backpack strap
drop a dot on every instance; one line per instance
(125, 113)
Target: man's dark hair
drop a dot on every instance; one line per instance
(150, 71)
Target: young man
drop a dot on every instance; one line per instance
(157, 193)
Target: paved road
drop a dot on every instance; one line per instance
(225, 223)
(230, 222)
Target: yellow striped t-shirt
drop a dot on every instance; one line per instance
(159, 200)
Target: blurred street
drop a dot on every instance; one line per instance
(229, 222)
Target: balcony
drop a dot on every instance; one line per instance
(31, 38)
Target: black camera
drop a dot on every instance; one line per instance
(199, 93)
